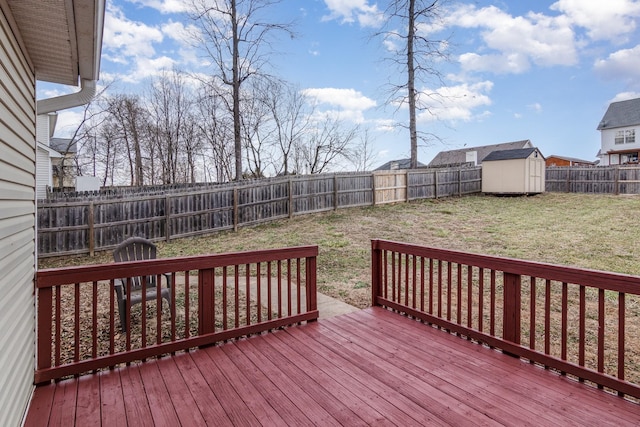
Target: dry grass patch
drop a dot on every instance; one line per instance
(589, 231)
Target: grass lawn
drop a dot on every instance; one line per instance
(591, 231)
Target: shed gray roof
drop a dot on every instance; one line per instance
(453, 157)
(63, 145)
(620, 114)
(521, 153)
(402, 164)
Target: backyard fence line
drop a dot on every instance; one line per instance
(85, 223)
(590, 179)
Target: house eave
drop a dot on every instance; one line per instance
(63, 38)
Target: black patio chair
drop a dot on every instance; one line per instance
(136, 249)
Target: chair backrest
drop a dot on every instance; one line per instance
(134, 249)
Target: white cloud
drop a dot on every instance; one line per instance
(624, 96)
(621, 65)
(164, 6)
(603, 20)
(536, 106)
(347, 99)
(177, 31)
(507, 63)
(126, 38)
(513, 43)
(454, 103)
(349, 11)
(68, 121)
(149, 67)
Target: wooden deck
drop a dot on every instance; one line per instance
(369, 367)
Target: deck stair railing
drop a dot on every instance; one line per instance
(213, 298)
(579, 322)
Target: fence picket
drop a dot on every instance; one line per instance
(88, 222)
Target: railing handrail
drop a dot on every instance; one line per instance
(399, 284)
(228, 273)
(618, 282)
(47, 278)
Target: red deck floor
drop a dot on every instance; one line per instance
(368, 367)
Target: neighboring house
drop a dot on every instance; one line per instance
(45, 154)
(55, 157)
(554, 160)
(398, 164)
(55, 41)
(64, 167)
(618, 129)
(473, 156)
(520, 171)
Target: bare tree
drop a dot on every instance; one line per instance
(234, 36)
(324, 143)
(128, 118)
(256, 131)
(408, 24)
(169, 106)
(215, 130)
(361, 155)
(92, 117)
(291, 118)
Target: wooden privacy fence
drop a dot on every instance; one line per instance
(576, 321)
(83, 224)
(601, 179)
(213, 298)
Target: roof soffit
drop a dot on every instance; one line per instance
(62, 37)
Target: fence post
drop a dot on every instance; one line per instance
(92, 241)
(617, 178)
(512, 305)
(290, 197)
(376, 273)
(311, 284)
(406, 199)
(206, 306)
(167, 218)
(235, 209)
(335, 192)
(44, 329)
(435, 179)
(568, 170)
(373, 187)
(459, 182)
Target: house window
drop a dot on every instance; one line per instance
(629, 158)
(630, 137)
(625, 136)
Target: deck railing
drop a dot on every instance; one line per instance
(213, 298)
(582, 323)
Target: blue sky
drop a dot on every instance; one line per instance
(539, 70)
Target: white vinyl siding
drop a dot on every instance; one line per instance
(17, 226)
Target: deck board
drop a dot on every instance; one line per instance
(137, 408)
(372, 367)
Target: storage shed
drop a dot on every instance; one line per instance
(520, 171)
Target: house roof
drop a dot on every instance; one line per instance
(63, 145)
(570, 159)
(63, 37)
(402, 164)
(620, 114)
(521, 153)
(459, 156)
(52, 153)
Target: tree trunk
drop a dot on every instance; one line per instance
(237, 136)
(413, 133)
